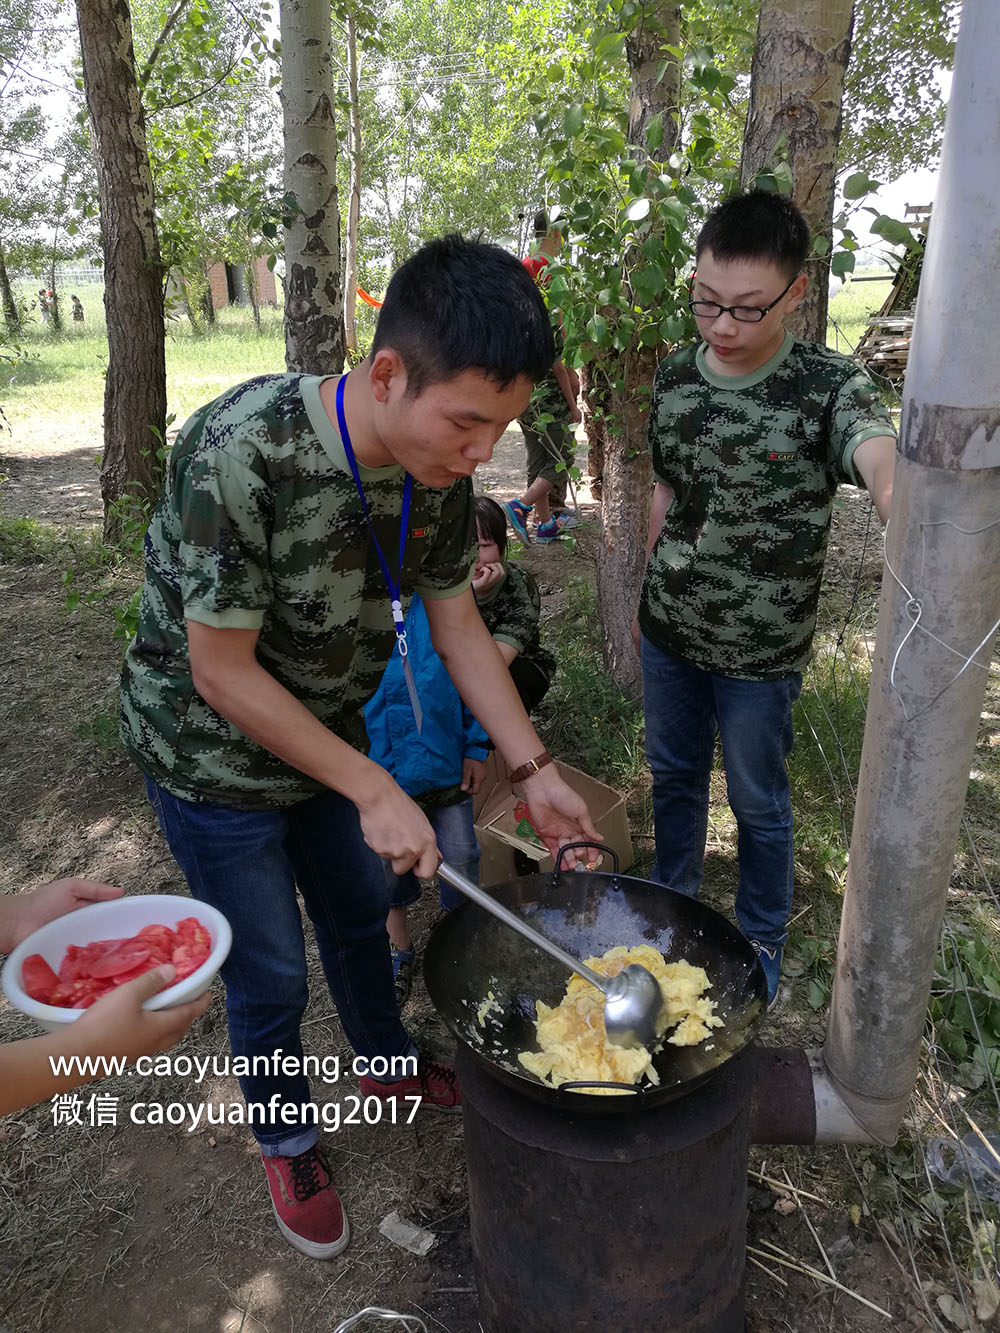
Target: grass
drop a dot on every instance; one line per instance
(850, 310)
(25, 540)
(60, 381)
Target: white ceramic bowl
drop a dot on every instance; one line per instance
(117, 918)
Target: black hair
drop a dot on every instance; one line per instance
(491, 521)
(758, 225)
(460, 305)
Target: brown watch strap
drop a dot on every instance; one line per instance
(532, 766)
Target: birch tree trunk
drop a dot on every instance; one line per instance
(626, 475)
(354, 204)
(314, 305)
(135, 390)
(796, 90)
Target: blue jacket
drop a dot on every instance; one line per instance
(430, 760)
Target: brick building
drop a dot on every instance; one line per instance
(227, 284)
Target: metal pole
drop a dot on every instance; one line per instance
(940, 598)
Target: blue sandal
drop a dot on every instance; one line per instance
(403, 961)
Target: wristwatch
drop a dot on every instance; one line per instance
(532, 766)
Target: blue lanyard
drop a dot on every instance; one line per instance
(393, 584)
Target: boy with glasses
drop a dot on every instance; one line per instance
(751, 431)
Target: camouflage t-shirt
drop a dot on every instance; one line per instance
(511, 613)
(547, 397)
(261, 527)
(754, 461)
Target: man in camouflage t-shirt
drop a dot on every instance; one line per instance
(550, 418)
(750, 434)
(265, 623)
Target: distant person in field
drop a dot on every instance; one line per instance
(43, 305)
(77, 305)
(750, 432)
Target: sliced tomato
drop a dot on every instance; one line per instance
(38, 979)
(69, 968)
(194, 934)
(88, 971)
(160, 940)
(127, 956)
(186, 960)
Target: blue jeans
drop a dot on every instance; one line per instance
(248, 863)
(456, 840)
(683, 707)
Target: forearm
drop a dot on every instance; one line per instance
(255, 702)
(659, 504)
(474, 662)
(26, 1075)
(565, 383)
(875, 460)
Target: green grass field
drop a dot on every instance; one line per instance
(62, 374)
(850, 311)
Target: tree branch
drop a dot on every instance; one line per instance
(158, 45)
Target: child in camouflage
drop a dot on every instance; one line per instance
(750, 432)
(508, 601)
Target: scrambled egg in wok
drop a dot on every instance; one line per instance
(574, 1045)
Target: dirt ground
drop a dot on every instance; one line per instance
(124, 1226)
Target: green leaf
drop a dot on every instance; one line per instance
(842, 263)
(610, 44)
(894, 231)
(654, 132)
(597, 329)
(817, 995)
(637, 209)
(573, 119)
(858, 185)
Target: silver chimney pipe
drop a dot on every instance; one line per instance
(938, 614)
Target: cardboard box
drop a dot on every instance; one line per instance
(505, 833)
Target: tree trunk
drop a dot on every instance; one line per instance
(625, 478)
(53, 288)
(135, 391)
(354, 205)
(796, 89)
(314, 305)
(251, 280)
(11, 315)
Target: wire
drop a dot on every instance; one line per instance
(915, 609)
(411, 1323)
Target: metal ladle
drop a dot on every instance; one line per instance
(632, 998)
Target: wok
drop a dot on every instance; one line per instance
(470, 954)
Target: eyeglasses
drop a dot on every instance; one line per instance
(744, 314)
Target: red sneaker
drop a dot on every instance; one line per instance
(308, 1208)
(436, 1085)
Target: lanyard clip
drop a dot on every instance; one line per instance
(398, 621)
